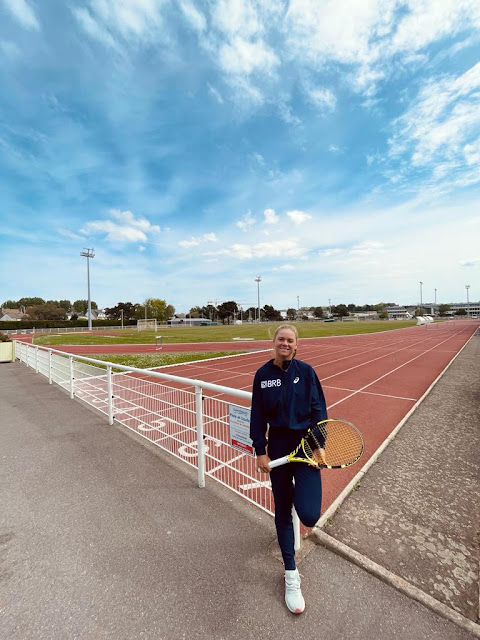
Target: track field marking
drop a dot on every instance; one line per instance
(371, 393)
(387, 374)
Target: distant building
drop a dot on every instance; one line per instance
(398, 313)
(190, 322)
(97, 314)
(15, 315)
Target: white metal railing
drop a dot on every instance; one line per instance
(188, 418)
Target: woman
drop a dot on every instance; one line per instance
(287, 400)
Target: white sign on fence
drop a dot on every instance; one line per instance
(239, 422)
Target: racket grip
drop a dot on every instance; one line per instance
(278, 462)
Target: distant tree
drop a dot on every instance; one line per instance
(317, 312)
(461, 312)
(291, 313)
(226, 311)
(195, 312)
(158, 309)
(443, 308)
(47, 311)
(30, 302)
(271, 314)
(65, 304)
(209, 311)
(115, 313)
(82, 305)
(250, 314)
(340, 310)
(419, 312)
(383, 315)
(10, 304)
(352, 308)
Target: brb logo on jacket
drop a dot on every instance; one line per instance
(271, 383)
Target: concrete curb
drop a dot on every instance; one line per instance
(395, 581)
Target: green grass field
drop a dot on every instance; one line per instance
(151, 360)
(224, 333)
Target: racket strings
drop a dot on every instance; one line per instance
(343, 444)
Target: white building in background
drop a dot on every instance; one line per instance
(472, 308)
(398, 313)
(15, 315)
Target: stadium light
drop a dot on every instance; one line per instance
(467, 287)
(421, 297)
(258, 280)
(88, 253)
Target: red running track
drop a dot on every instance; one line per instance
(373, 380)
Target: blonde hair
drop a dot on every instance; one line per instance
(291, 327)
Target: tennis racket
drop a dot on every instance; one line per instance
(340, 440)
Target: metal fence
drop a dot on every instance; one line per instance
(188, 418)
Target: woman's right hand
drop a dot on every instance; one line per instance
(262, 464)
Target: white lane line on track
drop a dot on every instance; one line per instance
(387, 374)
(226, 463)
(371, 393)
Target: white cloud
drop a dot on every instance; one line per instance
(114, 232)
(287, 115)
(244, 57)
(194, 17)
(215, 93)
(284, 267)
(195, 242)
(130, 20)
(69, 234)
(237, 16)
(246, 222)
(298, 217)
(322, 98)
(470, 263)
(369, 37)
(126, 229)
(23, 13)
(93, 29)
(270, 216)
(272, 249)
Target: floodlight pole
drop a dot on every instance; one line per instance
(88, 253)
(421, 297)
(467, 287)
(258, 280)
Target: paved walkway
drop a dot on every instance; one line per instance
(101, 537)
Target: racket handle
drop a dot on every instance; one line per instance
(278, 462)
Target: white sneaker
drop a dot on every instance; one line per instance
(293, 593)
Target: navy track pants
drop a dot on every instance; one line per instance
(305, 494)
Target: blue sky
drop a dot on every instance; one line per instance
(332, 148)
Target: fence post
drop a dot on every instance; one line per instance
(200, 442)
(71, 376)
(110, 394)
(36, 359)
(49, 366)
(26, 354)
